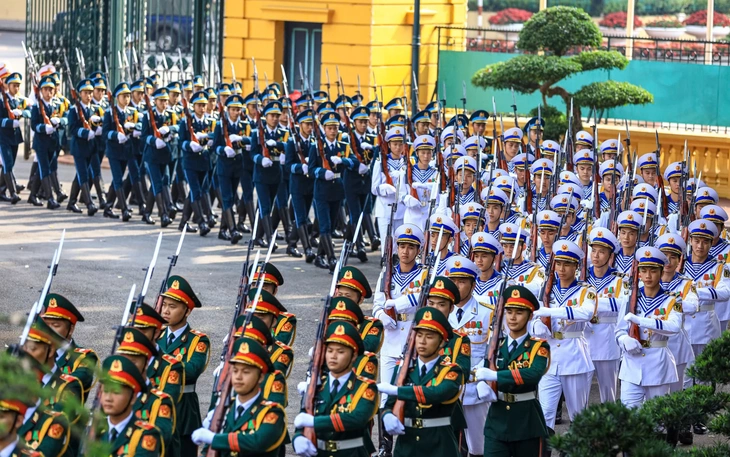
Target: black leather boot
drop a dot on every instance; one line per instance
(111, 197)
(186, 213)
(370, 228)
(10, 183)
(126, 214)
(199, 218)
(268, 232)
(51, 203)
(208, 211)
(309, 253)
(360, 248)
(34, 185)
(231, 222)
(91, 208)
(74, 198)
(329, 249)
(170, 207)
(241, 209)
(321, 260)
(60, 195)
(162, 210)
(145, 204)
(99, 189)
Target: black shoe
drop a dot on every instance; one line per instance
(236, 237)
(260, 242)
(686, 437)
(72, 206)
(699, 428)
(35, 201)
(188, 228)
(92, 209)
(19, 188)
(4, 198)
(126, 214)
(279, 237)
(14, 199)
(52, 204)
(147, 219)
(243, 228)
(61, 197)
(321, 262)
(375, 244)
(337, 234)
(203, 229)
(109, 212)
(332, 265)
(223, 235)
(292, 251)
(310, 255)
(362, 255)
(165, 220)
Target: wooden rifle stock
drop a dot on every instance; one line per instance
(223, 119)
(189, 120)
(6, 100)
(320, 147)
(151, 115)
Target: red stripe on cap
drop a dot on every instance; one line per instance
(179, 295)
(352, 284)
(60, 313)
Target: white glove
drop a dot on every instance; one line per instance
(208, 418)
(230, 152)
(304, 447)
(164, 130)
(16, 124)
(50, 129)
(328, 175)
(196, 147)
(202, 436)
(302, 387)
(311, 352)
(411, 202)
(540, 330)
(631, 317)
(17, 113)
(390, 303)
(271, 143)
(485, 374)
(485, 392)
(630, 345)
(122, 138)
(266, 162)
(336, 160)
(542, 312)
(345, 137)
(392, 425)
(55, 121)
(136, 133)
(64, 122)
(388, 389)
(282, 159)
(91, 135)
(366, 145)
(129, 125)
(98, 131)
(234, 138)
(388, 322)
(95, 119)
(159, 143)
(303, 420)
(305, 168)
(202, 136)
(210, 144)
(363, 169)
(386, 190)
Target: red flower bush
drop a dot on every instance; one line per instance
(700, 18)
(618, 20)
(510, 16)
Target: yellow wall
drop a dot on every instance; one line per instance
(360, 37)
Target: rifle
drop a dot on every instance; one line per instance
(514, 107)
(135, 60)
(148, 276)
(338, 82)
(596, 172)
(463, 107)
(53, 269)
(166, 68)
(327, 72)
(633, 301)
(457, 208)
(81, 61)
(387, 260)
(347, 245)
(6, 99)
(439, 149)
(315, 365)
(431, 207)
(189, 121)
(151, 116)
(206, 70)
(663, 207)
(547, 289)
(683, 206)
(409, 351)
(496, 327)
(569, 145)
(74, 95)
(33, 66)
(112, 100)
(127, 68)
(259, 121)
(414, 99)
(290, 123)
(173, 262)
(499, 153)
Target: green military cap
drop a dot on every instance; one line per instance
(248, 351)
(134, 342)
(342, 308)
(520, 297)
(445, 288)
(433, 320)
(266, 304)
(42, 333)
(120, 370)
(179, 289)
(345, 334)
(57, 306)
(28, 362)
(272, 275)
(146, 316)
(354, 279)
(256, 329)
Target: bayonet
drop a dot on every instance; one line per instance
(327, 73)
(514, 106)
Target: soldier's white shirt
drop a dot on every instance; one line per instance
(423, 182)
(611, 290)
(720, 252)
(679, 343)
(712, 286)
(405, 288)
(571, 309)
(396, 169)
(527, 274)
(488, 291)
(474, 323)
(661, 317)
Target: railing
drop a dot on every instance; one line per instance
(651, 49)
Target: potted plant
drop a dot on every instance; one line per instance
(665, 28)
(614, 25)
(697, 25)
(510, 20)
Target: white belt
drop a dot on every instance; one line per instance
(337, 175)
(707, 307)
(514, 398)
(189, 389)
(427, 423)
(649, 344)
(566, 335)
(333, 446)
(604, 319)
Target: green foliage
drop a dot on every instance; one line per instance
(721, 424)
(601, 60)
(558, 29)
(525, 73)
(605, 430)
(555, 122)
(612, 94)
(713, 365)
(718, 450)
(498, 5)
(687, 407)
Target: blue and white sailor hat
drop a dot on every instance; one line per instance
(602, 236)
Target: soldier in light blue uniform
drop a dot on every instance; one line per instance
(45, 141)
(101, 105)
(11, 135)
(301, 184)
(83, 144)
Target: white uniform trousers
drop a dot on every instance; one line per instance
(607, 375)
(576, 388)
(724, 324)
(634, 396)
(476, 416)
(383, 228)
(387, 368)
(679, 385)
(697, 349)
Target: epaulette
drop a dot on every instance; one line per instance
(198, 333)
(144, 425)
(272, 404)
(536, 339)
(619, 274)
(83, 350)
(53, 413)
(366, 380)
(675, 294)
(160, 393)
(371, 319)
(282, 345)
(461, 334)
(448, 364)
(486, 305)
(170, 359)
(369, 354)
(288, 315)
(68, 377)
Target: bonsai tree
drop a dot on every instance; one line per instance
(555, 31)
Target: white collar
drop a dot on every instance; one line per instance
(7, 451)
(332, 144)
(199, 119)
(429, 365)
(121, 425)
(177, 332)
(342, 379)
(519, 340)
(247, 404)
(31, 410)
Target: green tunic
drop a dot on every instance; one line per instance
(157, 408)
(80, 363)
(285, 329)
(371, 331)
(167, 374)
(138, 439)
(49, 432)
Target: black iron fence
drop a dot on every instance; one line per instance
(654, 49)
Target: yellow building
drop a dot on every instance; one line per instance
(369, 39)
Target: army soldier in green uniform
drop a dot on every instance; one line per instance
(430, 395)
(188, 346)
(127, 436)
(344, 309)
(354, 285)
(344, 404)
(515, 425)
(253, 426)
(153, 406)
(269, 310)
(164, 371)
(12, 412)
(285, 327)
(61, 315)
